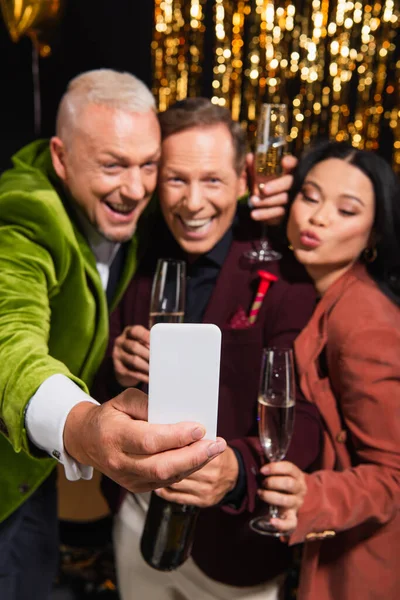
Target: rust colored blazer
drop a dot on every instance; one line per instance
(225, 548)
(348, 359)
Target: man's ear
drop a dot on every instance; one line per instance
(57, 151)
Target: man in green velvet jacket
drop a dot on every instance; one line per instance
(68, 215)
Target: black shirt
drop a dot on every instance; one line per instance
(202, 275)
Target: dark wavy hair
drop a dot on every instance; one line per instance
(385, 269)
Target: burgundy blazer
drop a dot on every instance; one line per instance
(225, 548)
(349, 364)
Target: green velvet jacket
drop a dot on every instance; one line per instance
(53, 310)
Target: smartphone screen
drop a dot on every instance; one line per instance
(184, 374)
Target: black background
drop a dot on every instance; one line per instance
(92, 34)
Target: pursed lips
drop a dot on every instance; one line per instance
(309, 239)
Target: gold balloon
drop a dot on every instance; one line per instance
(34, 18)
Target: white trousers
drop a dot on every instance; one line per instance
(138, 581)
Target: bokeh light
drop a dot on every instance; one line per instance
(335, 63)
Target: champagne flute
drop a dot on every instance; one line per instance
(167, 303)
(276, 404)
(270, 148)
(168, 531)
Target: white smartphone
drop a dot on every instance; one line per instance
(184, 374)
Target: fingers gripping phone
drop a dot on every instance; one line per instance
(184, 374)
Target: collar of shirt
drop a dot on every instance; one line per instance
(104, 251)
(202, 275)
(218, 253)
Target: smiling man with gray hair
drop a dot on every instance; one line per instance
(68, 216)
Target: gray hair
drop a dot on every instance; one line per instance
(104, 87)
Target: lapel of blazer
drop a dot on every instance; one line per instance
(100, 337)
(99, 341)
(89, 261)
(313, 338)
(90, 267)
(311, 342)
(236, 284)
(308, 346)
(128, 271)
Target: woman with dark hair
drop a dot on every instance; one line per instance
(343, 225)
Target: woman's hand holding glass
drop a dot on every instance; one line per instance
(284, 486)
(276, 414)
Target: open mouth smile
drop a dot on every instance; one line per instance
(120, 209)
(195, 225)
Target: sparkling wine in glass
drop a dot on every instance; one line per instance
(270, 148)
(276, 404)
(168, 292)
(168, 531)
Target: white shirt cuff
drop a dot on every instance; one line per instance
(45, 419)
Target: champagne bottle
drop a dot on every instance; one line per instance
(168, 533)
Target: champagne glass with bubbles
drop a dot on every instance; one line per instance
(167, 303)
(169, 528)
(276, 404)
(270, 148)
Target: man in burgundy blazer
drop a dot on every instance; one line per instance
(225, 549)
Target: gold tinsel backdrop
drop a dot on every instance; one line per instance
(335, 63)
